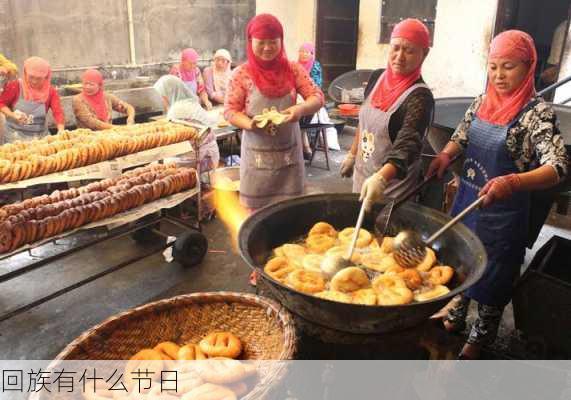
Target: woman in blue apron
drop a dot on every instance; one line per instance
(30, 99)
(385, 156)
(271, 167)
(512, 147)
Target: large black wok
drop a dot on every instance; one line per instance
(286, 221)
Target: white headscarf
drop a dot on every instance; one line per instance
(221, 78)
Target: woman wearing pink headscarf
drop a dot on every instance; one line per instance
(512, 147)
(393, 120)
(93, 107)
(189, 73)
(26, 102)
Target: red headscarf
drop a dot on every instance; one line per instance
(188, 75)
(392, 85)
(97, 100)
(39, 67)
(273, 78)
(310, 48)
(501, 109)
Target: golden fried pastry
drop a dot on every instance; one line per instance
(428, 262)
(168, 350)
(366, 297)
(342, 251)
(394, 269)
(221, 370)
(147, 354)
(349, 280)
(191, 352)
(221, 344)
(323, 228)
(387, 245)
(363, 239)
(294, 253)
(306, 281)
(440, 275)
(378, 261)
(387, 281)
(411, 278)
(320, 243)
(312, 262)
(395, 295)
(432, 293)
(334, 296)
(279, 268)
(209, 391)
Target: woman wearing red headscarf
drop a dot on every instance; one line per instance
(93, 107)
(512, 147)
(272, 166)
(26, 102)
(189, 73)
(393, 120)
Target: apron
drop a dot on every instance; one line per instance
(503, 226)
(272, 167)
(192, 85)
(375, 143)
(37, 129)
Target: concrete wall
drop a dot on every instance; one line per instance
(77, 33)
(564, 92)
(456, 65)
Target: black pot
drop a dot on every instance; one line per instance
(286, 221)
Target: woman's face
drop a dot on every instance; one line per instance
(506, 75)
(304, 55)
(188, 65)
(221, 63)
(90, 88)
(36, 82)
(266, 49)
(405, 56)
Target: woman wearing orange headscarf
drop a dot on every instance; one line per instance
(512, 147)
(28, 100)
(272, 165)
(93, 107)
(393, 120)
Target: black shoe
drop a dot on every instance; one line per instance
(307, 155)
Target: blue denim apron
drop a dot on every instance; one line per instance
(503, 226)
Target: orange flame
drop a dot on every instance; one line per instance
(230, 212)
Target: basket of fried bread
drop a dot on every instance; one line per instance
(219, 343)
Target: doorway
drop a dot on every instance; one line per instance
(337, 33)
(548, 23)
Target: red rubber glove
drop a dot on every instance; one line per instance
(439, 164)
(500, 188)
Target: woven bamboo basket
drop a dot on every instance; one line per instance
(265, 328)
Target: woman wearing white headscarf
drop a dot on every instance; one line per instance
(180, 103)
(217, 76)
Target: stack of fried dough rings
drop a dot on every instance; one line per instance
(208, 369)
(373, 279)
(73, 149)
(46, 216)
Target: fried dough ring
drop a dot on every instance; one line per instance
(440, 275)
(363, 239)
(334, 295)
(320, 243)
(221, 344)
(279, 268)
(411, 278)
(428, 262)
(191, 352)
(387, 281)
(366, 297)
(323, 228)
(342, 251)
(392, 296)
(377, 261)
(306, 281)
(294, 253)
(168, 350)
(436, 291)
(349, 280)
(312, 262)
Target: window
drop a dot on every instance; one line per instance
(394, 11)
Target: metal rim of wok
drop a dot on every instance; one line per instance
(255, 229)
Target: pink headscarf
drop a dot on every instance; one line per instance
(97, 100)
(188, 55)
(39, 67)
(501, 109)
(310, 48)
(392, 85)
(273, 78)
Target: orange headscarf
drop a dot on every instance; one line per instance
(37, 66)
(392, 85)
(501, 109)
(97, 100)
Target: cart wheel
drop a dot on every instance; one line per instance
(147, 236)
(190, 248)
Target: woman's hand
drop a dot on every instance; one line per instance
(20, 118)
(207, 104)
(293, 114)
(500, 188)
(130, 120)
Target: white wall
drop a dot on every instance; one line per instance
(298, 18)
(456, 65)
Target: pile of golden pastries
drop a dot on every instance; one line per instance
(73, 149)
(46, 216)
(269, 119)
(217, 376)
(299, 267)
